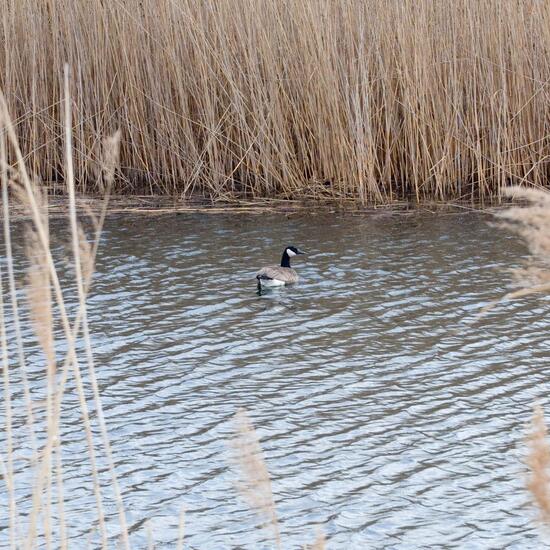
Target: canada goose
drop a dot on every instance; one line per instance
(275, 275)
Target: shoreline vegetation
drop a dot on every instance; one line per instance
(58, 206)
(373, 102)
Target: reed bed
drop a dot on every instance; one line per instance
(371, 100)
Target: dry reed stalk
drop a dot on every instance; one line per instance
(255, 482)
(8, 474)
(76, 233)
(40, 299)
(44, 469)
(377, 100)
(318, 544)
(13, 295)
(181, 529)
(63, 540)
(8, 470)
(32, 196)
(532, 223)
(83, 261)
(85, 255)
(40, 305)
(538, 461)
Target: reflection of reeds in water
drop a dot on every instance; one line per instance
(371, 99)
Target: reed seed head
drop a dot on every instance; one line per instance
(532, 223)
(255, 482)
(39, 296)
(538, 461)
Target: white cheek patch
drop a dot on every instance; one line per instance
(290, 252)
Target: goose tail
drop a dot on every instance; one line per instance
(264, 281)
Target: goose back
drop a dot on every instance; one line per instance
(276, 272)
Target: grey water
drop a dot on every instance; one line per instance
(389, 417)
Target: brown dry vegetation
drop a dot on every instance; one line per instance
(375, 100)
(531, 222)
(44, 291)
(39, 519)
(538, 460)
(45, 522)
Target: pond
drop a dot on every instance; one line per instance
(387, 416)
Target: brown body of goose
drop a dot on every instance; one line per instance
(275, 275)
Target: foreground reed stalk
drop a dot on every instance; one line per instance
(369, 100)
(44, 292)
(538, 460)
(531, 221)
(254, 481)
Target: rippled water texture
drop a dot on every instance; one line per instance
(386, 417)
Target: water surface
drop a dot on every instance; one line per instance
(386, 417)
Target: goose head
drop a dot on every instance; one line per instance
(288, 253)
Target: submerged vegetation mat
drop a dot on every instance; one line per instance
(375, 101)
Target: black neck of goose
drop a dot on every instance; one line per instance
(285, 260)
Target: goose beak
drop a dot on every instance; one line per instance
(300, 251)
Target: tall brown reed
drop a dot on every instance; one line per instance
(538, 460)
(44, 289)
(254, 482)
(375, 100)
(532, 222)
